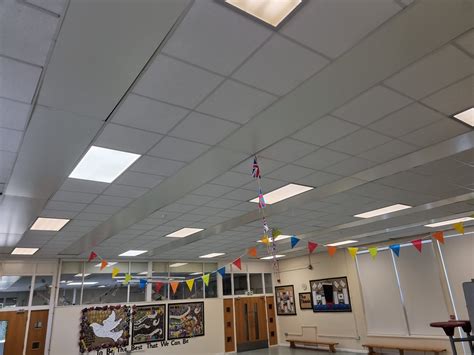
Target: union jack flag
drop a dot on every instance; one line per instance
(256, 169)
(265, 226)
(261, 200)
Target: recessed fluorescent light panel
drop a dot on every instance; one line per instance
(272, 12)
(80, 275)
(133, 253)
(184, 232)
(83, 283)
(24, 251)
(178, 264)
(451, 221)
(381, 211)
(49, 224)
(466, 116)
(112, 263)
(211, 255)
(271, 257)
(283, 193)
(102, 164)
(280, 237)
(344, 242)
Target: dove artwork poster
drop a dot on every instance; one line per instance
(104, 327)
(185, 320)
(148, 324)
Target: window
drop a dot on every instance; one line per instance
(69, 284)
(14, 291)
(160, 274)
(139, 271)
(268, 282)
(42, 290)
(240, 284)
(227, 284)
(100, 287)
(183, 272)
(256, 283)
(211, 288)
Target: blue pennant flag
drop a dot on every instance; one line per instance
(221, 271)
(294, 241)
(395, 248)
(143, 283)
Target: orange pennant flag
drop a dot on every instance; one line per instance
(439, 236)
(190, 284)
(332, 250)
(103, 264)
(252, 252)
(459, 227)
(115, 271)
(353, 251)
(174, 286)
(373, 252)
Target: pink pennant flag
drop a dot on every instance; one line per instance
(238, 263)
(417, 244)
(312, 246)
(92, 256)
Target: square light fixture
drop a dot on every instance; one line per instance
(112, 263)
(466, 116)
(278, 238)
(49, 224)
(103, 165)
(24, 251)
(451, 221)
(278, 256)
(272, 12)
(283, 193)
(133, 253)
(80, 275)
(381, 211)
(178, 264)
(211, 255)
(344, 242)
(184, 232)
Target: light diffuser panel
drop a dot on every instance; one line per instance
(283, 193)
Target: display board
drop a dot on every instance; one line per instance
(285, 300)
(330, 295)
(185, 320)
(148, 324)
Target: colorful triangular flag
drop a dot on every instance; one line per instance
(439, 236)
(275, 233)
(92, 256)
(265, 226)
(373, 251)
(395, 248)
(103, 264)
(459, 227)
(256, 169)
(174, 286)
(221, 271)
(143, 283)
(238, 263)
(252, 252)
(418, 244)
(312, 246)
(128, 278)
(294, 241)
(353, 251)
(265, 240)
(332, 250)
(115, 271)
(158, 286)
(205, 278)
(261, 200)
(190, 284)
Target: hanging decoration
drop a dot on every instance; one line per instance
(332, 250)
(293, 241)
(373, 252)
(459, 227)
(418, 244)
(312, 246)
(238, 263)
(439, 236)
(353, 251)
(395, 249)
(252, 252)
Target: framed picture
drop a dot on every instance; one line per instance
(330, 295)
(148, 324)
(185, 320)
(305, 300)
(285, 300)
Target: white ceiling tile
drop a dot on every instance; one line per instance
(359, 142)
(127, 139)
(176, 208)
(125, 191)
(13, 114)
(332, 27)
(70, 196)
(230, 213)
(7, 160)
(112, 201)
(350, 166)
(214, 219)
(235, 102)
(18, 80)
(196, 200)
(222, 203)
(203, 129)
(176, 82)
(241, 194)
(466, 41)
(372, 105)
(267, 184)
(325, 130)
(215, 37)
(388, 151)
(321, 158)
(77, 185)
(212, 190)
(318, 178)
(466, 157)
(435, 133)
(65, 206)
(433, 72)
(93, 216)
(406, 120)
(454, 98)
(157, 166)
(290, 173)
(292, 62)
(56, 6)
(94, 208)
(288, 150)
(178, 149)
(189, 217)
(10, 139)
(266, 166)
(245, 206)
(132, 178)
(58, 214)
(232, 179)
(151, 115)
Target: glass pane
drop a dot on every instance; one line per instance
(256, 284)
(3, 334)
(70, 283)
(160, 273)
(100, 287)
(186, 271)
(227, 285)
(137, 291)
(211, 289)
(268, 283)
(240, 284)
(14, 291)
(42, 290)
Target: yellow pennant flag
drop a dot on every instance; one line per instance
(115, 271)
(353, 251)
(205, 278)
(373, 251)
(174, 286)
(190, 284)
(265, 240)
(128, 277)
(459, 227)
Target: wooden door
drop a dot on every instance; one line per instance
(16, 324)
(229, 325)
(272, 330)
(37, 332)
(251, 323)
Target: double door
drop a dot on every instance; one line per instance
(251, 323)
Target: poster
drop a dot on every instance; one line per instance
(285, 300)
(185, 320)
(104, 327)
(330, 295)
(305, 300)
(148, 323)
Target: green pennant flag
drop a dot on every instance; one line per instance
(205, 278)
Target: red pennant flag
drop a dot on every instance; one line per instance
(312, 246)
(92, 256)
(103, 264)
(252, 252)
(332, 250)
(158, 287)
(439, 236)
(238, 263)
(417, 244)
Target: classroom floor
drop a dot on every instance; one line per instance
(282, 350)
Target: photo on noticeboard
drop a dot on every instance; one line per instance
(285, 300)
(330, 295)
